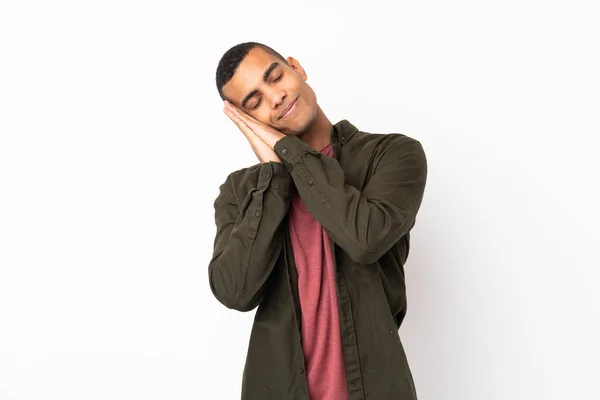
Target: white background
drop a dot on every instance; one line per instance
(114, 142)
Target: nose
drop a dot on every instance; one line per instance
(277, 99)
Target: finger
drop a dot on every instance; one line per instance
(235, 117)
(240, 124)
(243, 115)
(248, 132)
(254, 125)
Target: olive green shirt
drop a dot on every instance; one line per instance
(366, 198)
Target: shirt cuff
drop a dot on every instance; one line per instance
(275, 175)
(290, 146)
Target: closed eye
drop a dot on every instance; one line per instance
(260, 99)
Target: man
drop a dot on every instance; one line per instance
(316, 235)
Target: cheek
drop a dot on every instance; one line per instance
(309, 100)
(262, 115)
(310, 95)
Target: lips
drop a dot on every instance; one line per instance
(289, 110)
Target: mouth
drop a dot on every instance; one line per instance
(289, 110)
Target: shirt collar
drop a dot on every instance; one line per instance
(343, 131)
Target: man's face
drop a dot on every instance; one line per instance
(264, 86)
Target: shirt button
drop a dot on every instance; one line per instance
(391, 331)
(343, 137)
(348, 334)
(301, 370)
(309, 182)
(284, 151)
(257, 213)
(268, 175)
(342, 286)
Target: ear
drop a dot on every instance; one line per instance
(295, 65)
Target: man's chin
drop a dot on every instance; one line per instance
(300, 127)
(288, 131)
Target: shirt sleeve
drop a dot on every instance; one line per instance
(364, 223)
(247, 242)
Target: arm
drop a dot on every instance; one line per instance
(364, 223)
(247, 243)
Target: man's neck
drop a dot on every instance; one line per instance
(318, 136)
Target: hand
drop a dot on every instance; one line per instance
(262, 137)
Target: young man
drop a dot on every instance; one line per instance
(316, 235)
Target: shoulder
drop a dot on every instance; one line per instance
(379, 138)
(237, 182)
(384, 145)
(243, 174)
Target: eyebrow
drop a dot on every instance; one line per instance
(265, 77)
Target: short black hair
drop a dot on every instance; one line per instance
(232, 58)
